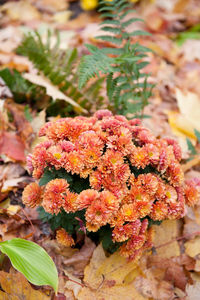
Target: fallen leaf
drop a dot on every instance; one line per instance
(11, 170)
(20, 10)
(191, 50)
(16, 287)
(51, 5)
(23, 127)
(152, 288)
(164, 236)
(189, 105)
(104, 278)
(193, 291)
(180, 126)
(51, 89)
(38, 121)
(62, 16)
(173, 270)
(10, 37)
(81, 258)
(192, 247)
(12, 146)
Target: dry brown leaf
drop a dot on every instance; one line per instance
(16, 287)
(192, 247)
(173, 271)
(165, 234)
(20, 10)
(51, 5)
(81, 258)
(51, 89)
(152, 288)
(104, 278)
(23, 127)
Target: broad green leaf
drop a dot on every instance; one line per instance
(32, 261)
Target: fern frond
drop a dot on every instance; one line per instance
(57, 65)
(126, 83)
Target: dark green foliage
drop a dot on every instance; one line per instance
(21, 88)
(76, 183)
(105, 236)
(152, 222)
(59, 67)
(127, 87)
(65, 220)
(50, 174)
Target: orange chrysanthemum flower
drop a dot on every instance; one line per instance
(127, 176)
(192, 191)
(101, 211)
(74, 162)
(122, 233)
(85, 198)
(139, 157)
(54, 195)
(32, 195)
(70, 199)
(64, 238)
(129, 213)
(159, 211)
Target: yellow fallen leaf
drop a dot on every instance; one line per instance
(62, 16)
(16, 287)
(181, 126)
(192, 247)
(104, 278)
(165, 234)
(51, 89)
(189, 105)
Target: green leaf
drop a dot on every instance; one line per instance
(32, 261)
(197, 133)
(47, 176)
(111, 39)
(139, 32)
(191, 148)
(27, 113)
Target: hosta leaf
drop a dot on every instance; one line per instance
(32, 261)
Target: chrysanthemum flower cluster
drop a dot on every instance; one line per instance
(133, 177)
